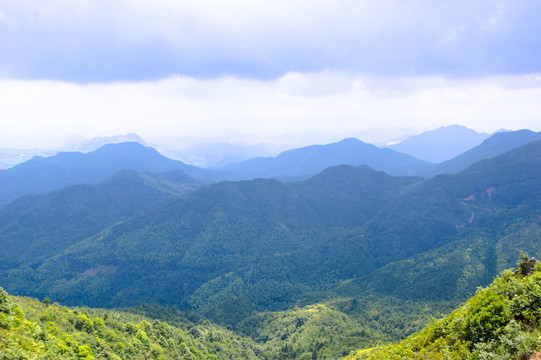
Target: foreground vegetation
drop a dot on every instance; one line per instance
(502, 321)
(30, 329)
(33, 330)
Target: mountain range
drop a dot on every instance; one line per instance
(41, 175)
(273, 244)
(345, 256)
(44, 174)
(307, 161)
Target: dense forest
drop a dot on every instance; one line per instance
(274, 244)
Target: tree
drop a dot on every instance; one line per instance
(4, 302)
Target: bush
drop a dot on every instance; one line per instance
(487, 313)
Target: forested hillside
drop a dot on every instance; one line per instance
(36, 227)
(499, 198)
(278, 241)
(33, 330)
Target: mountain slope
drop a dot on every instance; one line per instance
(441, 144)
(495, 145)
(228, 227)
(310, 160)
(500, 197)
(42, 175)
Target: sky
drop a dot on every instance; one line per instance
(253, 71)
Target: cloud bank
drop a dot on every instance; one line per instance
(333, 103)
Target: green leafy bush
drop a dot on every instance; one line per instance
(499, 322)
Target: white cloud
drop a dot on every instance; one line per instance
(332, 103)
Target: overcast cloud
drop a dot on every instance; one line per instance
(103, 40)
(209, 68)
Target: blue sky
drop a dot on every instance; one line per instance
(267, 68)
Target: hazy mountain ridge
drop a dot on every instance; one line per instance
(14, 155)
(307, 161)
(41, 175)
(441, 144)
(220, 154)
(495, 145)
(95, 143)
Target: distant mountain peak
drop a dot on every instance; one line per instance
(440, 144)
(350, 140)
(130, 145)
(97, 142)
